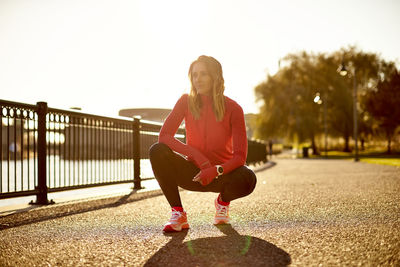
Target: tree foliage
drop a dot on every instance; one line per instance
(384, 105)
(288, 109)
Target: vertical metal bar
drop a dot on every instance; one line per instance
(8, 150)
(22, 151)
(94, 144)
(82, 149)
(97, 151)
(110, 149)
(123, 147)
(132, 155)
(110, 152)
(119, 137)
(15, 150)
(41, 197)
(78, 149)
(136, 153)
(107, 152)
(28, 156)
(70, 156)
(126, 149)
(103, 152)
(93, 153)
(64, 145)
(59, 150)
(65, 150)
(2, 147)
(87, 150)
(54, 150)
(35, 131)
(117, 152)
(48, 147)
(123, 152)
(74, 151)
(71, 153)
(114, 150)
(100, 151)
(123, 158)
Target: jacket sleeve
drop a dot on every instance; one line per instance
(168, 130)
(239, 141)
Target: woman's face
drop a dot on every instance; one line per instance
(201, 79)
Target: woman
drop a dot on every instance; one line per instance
(213, 158)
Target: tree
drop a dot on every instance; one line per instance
(288, 109)
(368, 69)
(384, 105)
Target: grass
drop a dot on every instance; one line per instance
(373, 157)
(383, 161)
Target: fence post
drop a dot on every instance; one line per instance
(41, 197)
(136, 153)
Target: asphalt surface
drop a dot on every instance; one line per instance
(302, 213)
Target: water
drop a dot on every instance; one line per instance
(22, 175)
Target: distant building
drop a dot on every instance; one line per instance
(150, 114)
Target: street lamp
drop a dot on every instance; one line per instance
(343, 71)
(318, 100)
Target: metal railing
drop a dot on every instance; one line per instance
(257, 152)
(47, 150)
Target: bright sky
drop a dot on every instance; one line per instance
(107, 55)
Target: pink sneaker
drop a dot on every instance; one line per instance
(177, 222)
(221, 214)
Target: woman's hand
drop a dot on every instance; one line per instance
(206, 176)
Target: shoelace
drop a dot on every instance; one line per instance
(175, 215)
(222, 210)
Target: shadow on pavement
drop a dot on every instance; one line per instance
(230, 250)
(40, 214)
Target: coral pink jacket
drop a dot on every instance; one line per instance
(207, 140)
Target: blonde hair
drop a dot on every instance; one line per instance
(214, 69)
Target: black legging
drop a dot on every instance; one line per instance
(172, 170)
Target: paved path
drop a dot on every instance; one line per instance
(302, 212)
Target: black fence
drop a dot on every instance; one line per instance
(46, 150)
